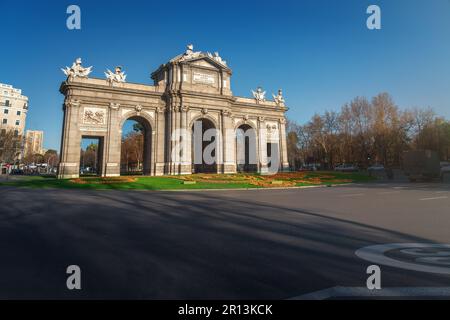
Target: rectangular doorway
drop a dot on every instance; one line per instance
(91, 156)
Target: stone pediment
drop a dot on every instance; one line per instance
(204, 63)
(207, 62)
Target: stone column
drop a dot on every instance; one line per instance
(168, 140)
(175, 163)
(185, 140)
(262, 143)
(159, 140)
(219, 144)
(228, 142)
(260, 125)
(69, 166)
(168, 134)
(283, 146)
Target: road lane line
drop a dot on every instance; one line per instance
(351, 195)
(388, 192)
(434, 198)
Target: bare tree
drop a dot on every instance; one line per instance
(10, 146)
(365, 132)
(132, 151)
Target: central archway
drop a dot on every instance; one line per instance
(136, 146)
(199, 163)
(246, 149)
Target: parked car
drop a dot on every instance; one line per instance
(17, 172)
(345, 167)
(376, 168)
(310, 167)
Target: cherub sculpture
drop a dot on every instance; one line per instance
(259, 95)
(117, 76)
(279, 99)
(77, 70)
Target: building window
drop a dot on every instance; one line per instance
(5, 111)
(5, 121)
(18, 113)
(16, 133)
(7, 103)
(17, 122)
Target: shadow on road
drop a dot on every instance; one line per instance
(164, 245)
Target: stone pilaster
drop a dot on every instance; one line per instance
(112, 143)
(69, 166)
(283, 146)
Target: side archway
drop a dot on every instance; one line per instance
(136, 145)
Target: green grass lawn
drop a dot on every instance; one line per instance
(191, 182)
(141, 183)
(356, 177)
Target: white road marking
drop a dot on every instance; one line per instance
(352, 195)
(376, 254)
(434, 198)
(388, 192)
(341, 292)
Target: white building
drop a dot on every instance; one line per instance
(14, 108)
(13, 113)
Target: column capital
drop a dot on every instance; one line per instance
(72, 103)
(226, 112)
(114, 106)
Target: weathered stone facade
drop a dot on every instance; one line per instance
(192, 86)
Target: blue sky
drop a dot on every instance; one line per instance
(320, 52)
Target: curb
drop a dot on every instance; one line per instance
(191, 190)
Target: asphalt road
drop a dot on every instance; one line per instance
(256, 244)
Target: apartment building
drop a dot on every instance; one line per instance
(13, 113)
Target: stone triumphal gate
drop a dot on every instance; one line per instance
(194, 87)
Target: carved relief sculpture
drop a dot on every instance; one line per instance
(94, 116)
